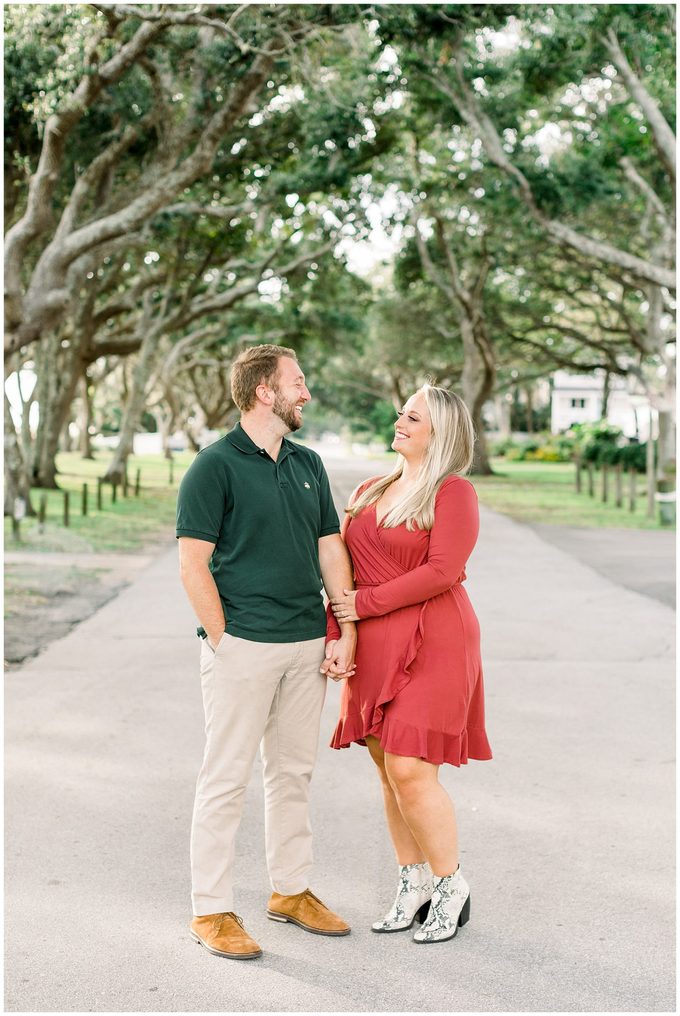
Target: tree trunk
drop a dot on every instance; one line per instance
(665, 406)
(86, 418)
(166, 419)
(606, 388)
(16, 474)
(502, 405)
(58, 369)
(193, 428)
(530, 409)
(26, 403)
(134, 408)
(651, 470)
(477, 383)
(166, 427)
(193, 442)
(397, 392)
(66, 442)
(666, 442)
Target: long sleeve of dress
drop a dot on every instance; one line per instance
(452, 539)
(332, 626)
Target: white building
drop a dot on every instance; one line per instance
(578, 398)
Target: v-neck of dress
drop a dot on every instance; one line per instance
(379, 521)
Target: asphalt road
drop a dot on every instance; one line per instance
(567, 835)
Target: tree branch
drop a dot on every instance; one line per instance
(470, 109)
(663, 136)
(48, 294)
(38, 213)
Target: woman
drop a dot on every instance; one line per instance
(417, 698)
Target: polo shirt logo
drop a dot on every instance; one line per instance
(307, 485)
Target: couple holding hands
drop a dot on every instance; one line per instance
(258, 533)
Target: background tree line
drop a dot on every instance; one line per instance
(181, 181)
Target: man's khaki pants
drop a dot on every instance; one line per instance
(255, 693)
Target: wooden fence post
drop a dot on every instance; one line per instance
(591, 480)
(172, 472)
(138, 477)
(605, 482)
(578, 474)
(18, 513)
(100, 484)
(619, 484)
(67, 498)
(42, 510)
(114, 487)
(83, 507)
(632, 488)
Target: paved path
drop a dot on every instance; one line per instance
(130, 562)
(639, 559)
(567, 835)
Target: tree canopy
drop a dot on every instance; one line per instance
(183, 180)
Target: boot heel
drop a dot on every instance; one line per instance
(464, 914)
(421, 915)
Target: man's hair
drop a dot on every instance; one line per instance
(255, 366)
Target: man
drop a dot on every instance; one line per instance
(257, 533)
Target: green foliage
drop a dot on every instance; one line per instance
(603, 444)
(541, 448)
(381, 419)
(499, 447)
(591, 438)
(341, 129)
(630, 456)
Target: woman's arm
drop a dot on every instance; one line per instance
(452, 539)
(332, 626)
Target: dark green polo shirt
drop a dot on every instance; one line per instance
(265, 519)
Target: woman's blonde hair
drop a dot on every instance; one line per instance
(449, 453)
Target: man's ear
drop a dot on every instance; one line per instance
(264, 394)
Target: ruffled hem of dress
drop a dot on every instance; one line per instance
(397, 681)
(399, 738)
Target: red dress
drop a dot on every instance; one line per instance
(418, 685)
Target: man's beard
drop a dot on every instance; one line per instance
(286, 412)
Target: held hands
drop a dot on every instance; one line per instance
(344, 606)
(339, 658)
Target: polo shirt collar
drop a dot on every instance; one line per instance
(238, 437)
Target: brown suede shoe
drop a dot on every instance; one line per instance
(224, 935)
(308, 912)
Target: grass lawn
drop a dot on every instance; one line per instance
(131, 524)
(528, 491)
(545, 492)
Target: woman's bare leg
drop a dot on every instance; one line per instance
(406, 846)
(426, 810)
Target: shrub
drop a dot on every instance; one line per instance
(547, 453)
(633, 456)
(542, 448)
(591, 438)
(502, 446)
(606, 454)
(521, 450)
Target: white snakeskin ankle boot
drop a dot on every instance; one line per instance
(412, 901)
(449, 909)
